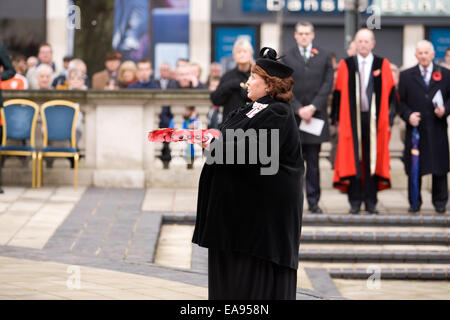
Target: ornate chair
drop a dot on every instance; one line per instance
(59, 119)
(19, 124)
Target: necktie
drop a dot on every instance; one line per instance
(304, 54)
(362, 73)
(424, 76)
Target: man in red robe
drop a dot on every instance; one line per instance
(364, 88)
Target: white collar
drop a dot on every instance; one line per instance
(368, 59)
(308, 48)
(429, 68)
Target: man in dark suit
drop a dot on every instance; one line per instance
(164, 80)
(313, 76)
(418, 87)
(8, 73)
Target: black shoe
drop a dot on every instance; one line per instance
(1, 190)
(315, 209)
(354, 210)
(440, 209)
(372, 210)
(413, 210)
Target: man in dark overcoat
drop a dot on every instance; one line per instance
(313, 76)
(420, 107)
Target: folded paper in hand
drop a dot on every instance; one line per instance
(315, 126)
(438, 100)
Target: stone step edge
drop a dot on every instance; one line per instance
(390, 273)
(423, 256)
(379, 219)
(375, 237)
(341, 220)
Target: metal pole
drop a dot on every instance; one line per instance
(279, 22)
(351, 20)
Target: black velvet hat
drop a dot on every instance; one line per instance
(269, 62)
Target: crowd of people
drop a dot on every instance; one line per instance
(41, 73)
(353, 101)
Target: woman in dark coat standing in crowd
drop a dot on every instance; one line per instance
(250, 219)
(229, 92)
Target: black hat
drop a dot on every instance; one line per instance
(269, 62)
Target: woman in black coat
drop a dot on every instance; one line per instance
(249, 214)
(229, 92)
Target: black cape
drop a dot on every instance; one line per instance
(243, 211)
(229, 93)
(415, 96)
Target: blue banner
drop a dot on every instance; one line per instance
(225, 37)
(440, 38)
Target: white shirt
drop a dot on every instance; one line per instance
(367, 68)
(429, 71)
(164, 83)
(308, 50)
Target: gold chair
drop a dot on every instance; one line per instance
(20, 117)
(59, 119)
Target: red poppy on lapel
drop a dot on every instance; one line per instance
(376, 73)
(314, 51)
(437, 76)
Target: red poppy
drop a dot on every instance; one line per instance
(437, 76)
(314, 50)
(376, 73)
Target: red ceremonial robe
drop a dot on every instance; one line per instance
(348, 160)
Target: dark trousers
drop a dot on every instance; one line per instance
(238, 276)
(439, 191)
(364, 189)
(311, 156)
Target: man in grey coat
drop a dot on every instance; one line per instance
(313, 76)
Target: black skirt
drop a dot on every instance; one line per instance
(237, 276)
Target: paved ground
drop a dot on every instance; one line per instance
(60, 243)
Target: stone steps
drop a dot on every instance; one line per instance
(351, 246)
(375, 255)
(354, 237)
(392, 274)
(401, 220)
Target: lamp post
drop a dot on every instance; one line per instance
(351, 20)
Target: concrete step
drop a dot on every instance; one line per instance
(400, 220)
(392, 274)
(436, 220)
(371, 237)
(375, 255)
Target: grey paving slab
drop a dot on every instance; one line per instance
(145, 238)
(66, 234)
(199, 258)
(322, 282)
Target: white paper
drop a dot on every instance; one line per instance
(314, 126)
(438, 100)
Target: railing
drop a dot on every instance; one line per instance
(114, 142)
